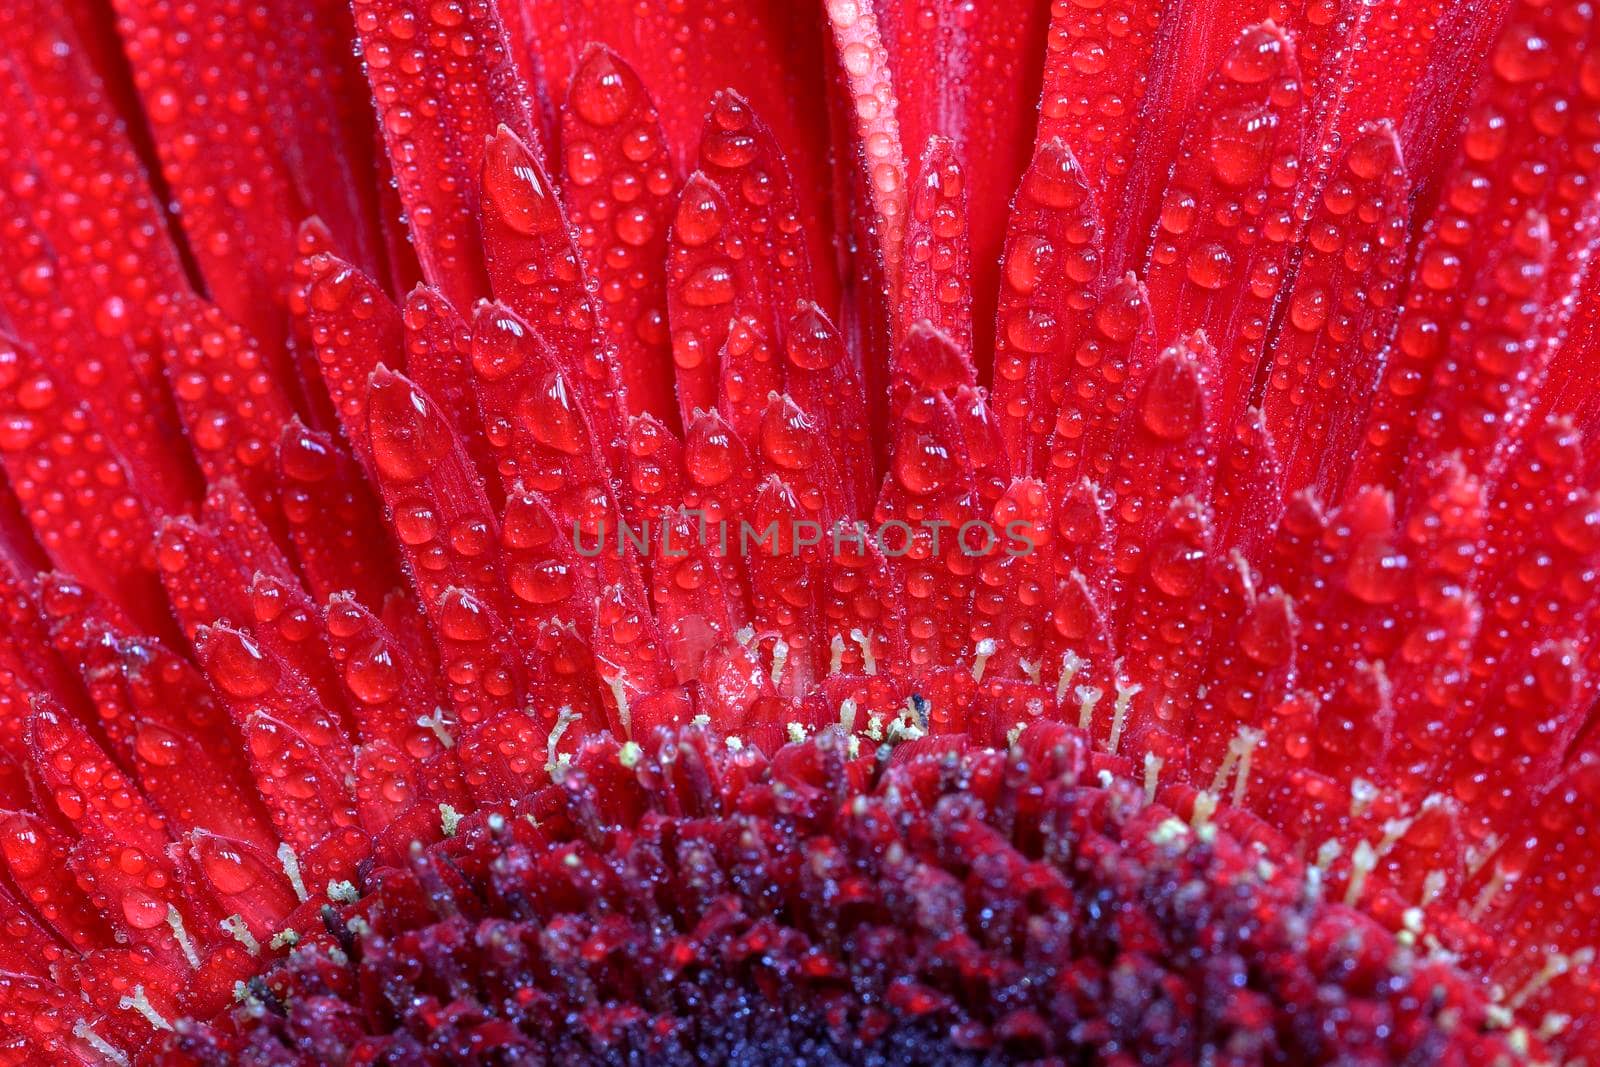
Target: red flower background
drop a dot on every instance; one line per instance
(324, 331)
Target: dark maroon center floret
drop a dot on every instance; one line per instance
(693, 903)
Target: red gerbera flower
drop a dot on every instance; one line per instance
(574, 531)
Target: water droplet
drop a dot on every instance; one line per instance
(812, 342)
(156, 745)
(229, 872)
(236, 664)
(1241, 139)
(1177, 566)
(1173, 403)
(462, 617)
(1209, 266)
(372, 675)
(545, 581)
(1054, 179)
(708, 451)
(1523, 55)
(517, 188)
(786, 434)
(1259, 54)
(549, 414)
(710, 286)
(600, 92)
(922, 465)
(699, 216)
(142, 911)
(408, 435)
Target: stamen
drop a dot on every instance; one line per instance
(1225, 768)
(1393, 831)
(291, 870)
(83, 1032)
(617, 684)
(141, 1004)
(847, 714)
(917, 706)
(836, 654)
(1119, 713)
(1478, 855)
(1088, 697)
(780, 656)
(980, 659)
(449, 820)
(1497, 882)
(342, 892)
(1432, 885)
(1152, 775)
(869, 665)
(903, 730)
(1245, 744)
(175, 921)
(1070, 662)
(1411, 922)
(438, 722)
(1555, 965)
(1363, 861)
(1362, 794)
(234, 926)
(564, 718)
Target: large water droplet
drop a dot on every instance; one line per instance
(600, 92)
(1172, 406)
(1257, 55)
(371, 674)
(550, 415)
(408, 435)
(516, 187)
(237, 665)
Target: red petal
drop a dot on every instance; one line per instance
(1096, 74)
(229, 397)
(619, 192)
(298, 749)
(286, 140)
(33, 850)
(1460, 295)
(450, 541)
(389, 687)
(354, 327)
(1227, 228)
(443, 80)
(1341, 313)
(534, 270)
(1052, 275)
(873, 126)
(439, 360)
(768, 51)
(334, 522)
(937, 285)
(969, 72)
